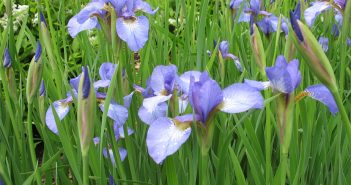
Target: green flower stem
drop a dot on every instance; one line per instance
(85, 170)
(31, 143)
(203, 168)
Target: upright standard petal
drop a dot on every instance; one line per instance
(241, 97)
(205, 97)
(322, 94)
(184, 80)
(116, 112)
(61, 108)
(106, 70)
(127, 100)
(165, 137)
(313, 11)
(134, 31)
(162, 79)
(284, 77)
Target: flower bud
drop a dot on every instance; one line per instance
(34, 74)
(312, 52)
(257, 46)
(86, 111)
(7, 59)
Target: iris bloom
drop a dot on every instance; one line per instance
(130, 28)
(223, 51)
(160, 87)
(116, 112)
(269, 22)
(318, 7)
(166, 135)
(285, 78)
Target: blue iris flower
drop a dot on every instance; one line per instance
(267, 24)
(132, 29)
(285, 77)
(318, 7)
(166, 135)
(118, 113)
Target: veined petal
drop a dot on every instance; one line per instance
(148, 117)
(89, 10)
(257, 84)
(223, 47)
(61, 108)
(322, 94)
(313, 11)
(163, 78)
(134, 31)
(164, 138)
(236, 4)
(279, 76)
(74, 27)
(116, 112)
(151, 103)
(241, 97)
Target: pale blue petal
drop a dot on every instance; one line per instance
(127, 100)
(151, 103)
(163, 78)
(164, 138)
(324, 43)
(134, 31)
(116, 112)
(61, 109)
(313, 11)
(148, 117)
(322, 94)
(241, 97)
(257, 84)
(184, 80)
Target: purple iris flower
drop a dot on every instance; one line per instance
(162, 84)
(269, 22)
(132, 29)
(323, 41)
(318, 7)
(116, 112)
(166, 135)
(223, 50)
(7, 59)
(283, 77)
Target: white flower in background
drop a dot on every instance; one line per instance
(19, 12)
